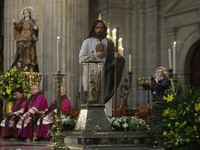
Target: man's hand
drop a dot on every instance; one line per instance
(17, 114)
(28, 114)
(10, 114)
(42, 112)
(117, 55)
(51, 114)
(13, 20)
(101, 54)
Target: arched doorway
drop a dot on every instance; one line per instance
(195, 69)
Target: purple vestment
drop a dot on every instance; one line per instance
(15, 109)
(42, 130)
(25, 129)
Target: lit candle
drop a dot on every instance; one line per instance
(170, 60)
(174, 57)
(122, 51)
(58, 64)
(129, 62)
(120, 43)
(114, 35)
(108, 31)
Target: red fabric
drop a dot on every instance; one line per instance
(46, 128)
(26, 132)
(9, 133)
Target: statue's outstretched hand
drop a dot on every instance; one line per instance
(35, 27)
(13, 20)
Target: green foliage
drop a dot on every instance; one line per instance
(68, 124)
(178, 123)
(11, 80)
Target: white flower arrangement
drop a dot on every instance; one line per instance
(128, 124)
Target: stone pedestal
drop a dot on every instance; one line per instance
(92, 118)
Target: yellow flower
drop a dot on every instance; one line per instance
(176, 143)
(4, 93)
(164, 133)
(18, 81)
(8, 91)
(167, 112)
(11, 78)
(187, 109)
(169, 98)
(5, 75)
(15, 75)
(185, 122)
(8, 74)
(197, 106)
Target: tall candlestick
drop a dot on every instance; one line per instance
(58, 64)
(170, 60)
(129, 62)
(174, 57)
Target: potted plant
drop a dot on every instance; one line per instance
(178, 124)
(9, 81)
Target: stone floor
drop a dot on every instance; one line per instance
(26, 145)
(32, 145)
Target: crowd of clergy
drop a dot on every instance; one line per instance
(24, 113)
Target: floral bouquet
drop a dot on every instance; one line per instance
(9, 82)
(128, 124)
(178, 124)
(68, 124)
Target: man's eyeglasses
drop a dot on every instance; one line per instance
(33, 88)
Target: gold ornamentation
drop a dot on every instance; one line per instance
(100, 16)
(147, 82)
(101, 47)
(34, 78)
(8, 106)
(135, 141)
(30, 8)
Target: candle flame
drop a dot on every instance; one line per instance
(114, 30)
(174, 42)
(120, 39)
(58, 38)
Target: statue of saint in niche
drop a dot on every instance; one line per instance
(26, 35)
